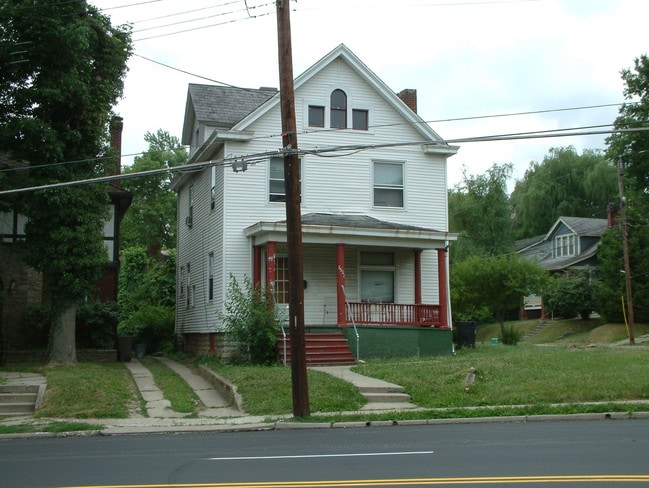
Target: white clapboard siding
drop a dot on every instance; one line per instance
(341, 182)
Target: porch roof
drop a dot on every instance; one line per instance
(322, 228)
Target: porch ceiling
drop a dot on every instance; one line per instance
(319, 228)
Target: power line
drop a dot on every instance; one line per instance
(263, 156)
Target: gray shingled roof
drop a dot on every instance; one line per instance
(355, 221)
(225, 106)
(585, 226)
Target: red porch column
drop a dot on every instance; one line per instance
(270, 266)
(417, 253)
(443, 286)
(256, 267)
(340, 283)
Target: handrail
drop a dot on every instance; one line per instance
(351, 315)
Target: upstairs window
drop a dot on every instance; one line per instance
(316, 116)
(210, 276)
(360, 119)
(565, 246)
(276, 186)
(388, 184)
(213, 188)
(338, 110)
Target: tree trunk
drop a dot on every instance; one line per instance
(62, 345)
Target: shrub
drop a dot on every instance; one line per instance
(252, 321)
(96, 323)
(152, 325)
(510, 335)
(571, 295)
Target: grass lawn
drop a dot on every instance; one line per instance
(564, 370)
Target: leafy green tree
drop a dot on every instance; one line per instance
(632, 147)
(571, 295)
(565, 183)
(61, 70)
(610, 288)
(479, 211)
(495, 285)
(147, 295)
(151, 219)
(629, 147)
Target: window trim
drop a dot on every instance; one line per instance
(268, 181)
(342, 109)
(566, 245)
(210, 276)
(385, 187)
(378, 267)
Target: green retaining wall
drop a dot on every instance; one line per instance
(395, 342)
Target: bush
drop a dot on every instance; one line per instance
(96, 323)
(152, 325)
(510, 335)
(252, 321)
(572, 294)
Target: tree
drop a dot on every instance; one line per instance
(565, 183)
(610, 284)
(479, 211)
(495, 285)
(151, 219)
(62, 68)
(630, 147)
(571, 295)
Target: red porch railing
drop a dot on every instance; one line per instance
(394, 314)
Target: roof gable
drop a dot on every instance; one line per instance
(343, 53)
(580, 226)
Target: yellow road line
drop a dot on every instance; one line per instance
(398, 482)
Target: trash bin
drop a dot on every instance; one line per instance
(124, 344)
(466, 332)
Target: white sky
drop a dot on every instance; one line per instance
(466, 58)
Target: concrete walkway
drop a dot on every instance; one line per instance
(380, 395)
(214, 403)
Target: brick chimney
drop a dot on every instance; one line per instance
(409, 97)
(611, 215)
(116, 126)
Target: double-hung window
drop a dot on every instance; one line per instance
(276, 184)
(388, 184)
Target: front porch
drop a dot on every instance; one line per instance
(371, 272)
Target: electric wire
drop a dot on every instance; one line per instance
(263, 156)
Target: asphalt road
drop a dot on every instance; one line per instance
(550, 453)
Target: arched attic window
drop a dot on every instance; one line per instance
(338, 109)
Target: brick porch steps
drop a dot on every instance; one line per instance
(321, 349)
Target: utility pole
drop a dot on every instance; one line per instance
(293, 215)
(625, 250)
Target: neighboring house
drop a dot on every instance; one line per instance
(570, 244)
(23, 288)
(374, 212)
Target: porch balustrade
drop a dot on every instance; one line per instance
(393, 314)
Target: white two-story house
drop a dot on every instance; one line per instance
(373, 202)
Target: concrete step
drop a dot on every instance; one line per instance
(17, 408)
(17, 399)
(386, 397)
